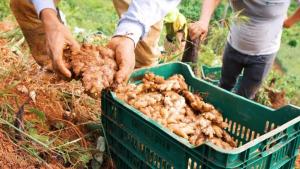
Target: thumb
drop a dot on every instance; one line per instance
(125, 66)
(120, 77)
(122, 73)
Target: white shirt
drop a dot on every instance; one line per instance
(136, 22)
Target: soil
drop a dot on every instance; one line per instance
(12, 157)
(277, 67)
(55, 108)
(277, 98)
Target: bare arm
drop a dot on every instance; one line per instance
(134, 25)
(200, 28)
(292, 19)
(208, 8)
(57, 35)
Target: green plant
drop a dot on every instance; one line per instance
(4, 7)
(90, 15)
(192, 9)
(287, 83)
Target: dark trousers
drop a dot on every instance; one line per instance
(255, 68)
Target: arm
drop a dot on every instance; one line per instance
(141, 15)
(292, 19)
(133, 25)
(43, 4)
(57, 34)
(200, 28)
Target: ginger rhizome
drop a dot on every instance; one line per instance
(170, 103)
(95, 64)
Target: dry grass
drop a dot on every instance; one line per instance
(58, 111)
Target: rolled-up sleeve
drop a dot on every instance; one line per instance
(141, 15)
(43, 4)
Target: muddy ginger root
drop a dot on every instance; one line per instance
(95, 64)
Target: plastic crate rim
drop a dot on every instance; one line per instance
(205, 77)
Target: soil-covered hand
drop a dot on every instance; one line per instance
(57, 36)
(125, 57)
(198, 29)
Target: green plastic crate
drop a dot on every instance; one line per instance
(213, 75)
(136, 141)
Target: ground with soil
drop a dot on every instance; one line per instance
(42, 113)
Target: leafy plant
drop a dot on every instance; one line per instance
(90, 15)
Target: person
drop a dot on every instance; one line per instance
(138, 30)
(146, 50)
(175, 25)
(46, 35)
(44, 32)
(251, 45)
(289, 22)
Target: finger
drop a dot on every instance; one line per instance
(61, 67)
(107, 52)
(193, 35)
(203, 36)
(192, 29)
(113, 43)
(125, 67)
(73, 44)
(58, 62)
(121, 75)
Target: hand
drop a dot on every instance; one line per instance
(125, 57)
(198, 29)
(57, 36)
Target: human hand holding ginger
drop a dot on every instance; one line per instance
(57, 37)
(124, 55)
(198, 29)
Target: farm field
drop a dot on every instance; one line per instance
(60, 121)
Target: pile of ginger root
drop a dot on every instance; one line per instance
(95, 65)
(171, 104)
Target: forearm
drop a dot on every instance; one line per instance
(49, 18)
(141, 15)
(208, 8)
